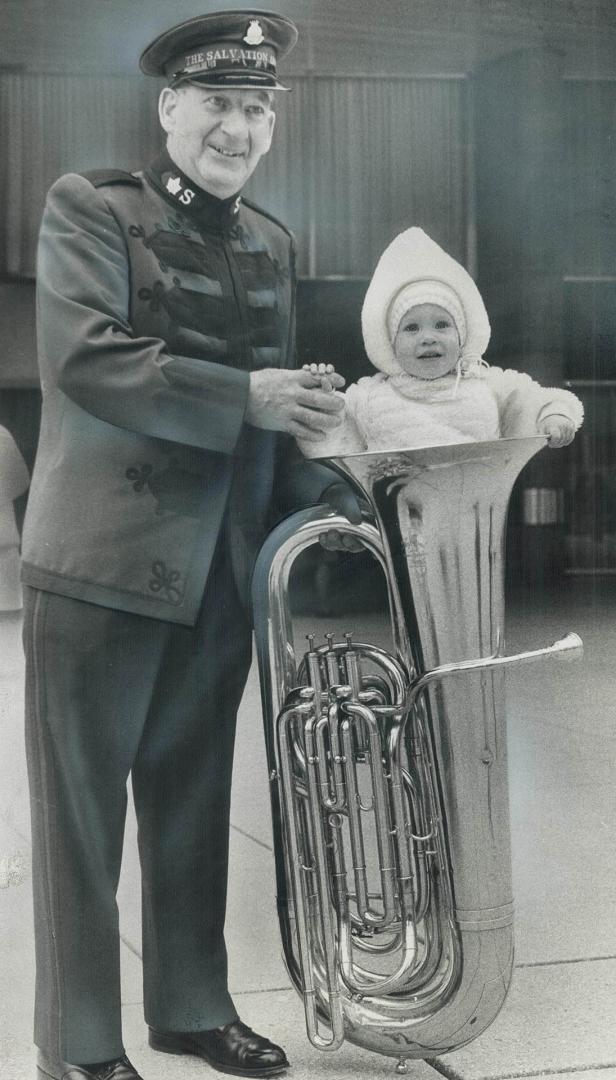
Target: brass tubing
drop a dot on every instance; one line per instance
(374, 983)
(331, 662)
(331, 779)
(421, 889)
(313, 665)
(365, 915)
(381, 814)
(305, 712)
(351, 665)
(569, 647)
(322, 880)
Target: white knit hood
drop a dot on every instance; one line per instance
(413, 258)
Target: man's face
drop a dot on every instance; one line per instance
(427, 343)
(217, 136)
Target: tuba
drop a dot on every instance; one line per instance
(388, 769)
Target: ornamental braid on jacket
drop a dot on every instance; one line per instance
(150, 318)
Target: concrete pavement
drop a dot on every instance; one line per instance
(560, 1016)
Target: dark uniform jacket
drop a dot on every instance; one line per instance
(155, 301)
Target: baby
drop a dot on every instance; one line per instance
(426, 328)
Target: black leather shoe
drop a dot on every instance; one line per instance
(49, 1068)
(234, 1048)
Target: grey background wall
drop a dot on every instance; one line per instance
(488, 122)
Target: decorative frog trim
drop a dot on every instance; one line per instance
(167, 582)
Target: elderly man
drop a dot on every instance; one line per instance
(166, 353)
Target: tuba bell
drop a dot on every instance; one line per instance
(388, 769)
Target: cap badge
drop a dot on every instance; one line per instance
(254, 34)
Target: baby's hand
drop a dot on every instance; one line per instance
(326, 375)
(559, 430)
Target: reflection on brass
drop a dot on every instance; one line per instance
(388, 770)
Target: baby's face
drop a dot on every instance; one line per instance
(427, 343)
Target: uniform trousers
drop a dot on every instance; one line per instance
(110, 694)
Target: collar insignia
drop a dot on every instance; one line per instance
(174, 185)
(254, 34)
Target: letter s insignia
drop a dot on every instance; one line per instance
(187, 196)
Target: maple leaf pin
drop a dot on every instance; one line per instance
(174, 185)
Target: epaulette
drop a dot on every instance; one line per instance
(101, 177)
(266, 214)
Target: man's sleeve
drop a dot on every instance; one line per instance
(299, 482)
(88, 345)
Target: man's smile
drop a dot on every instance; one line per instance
(225, 152)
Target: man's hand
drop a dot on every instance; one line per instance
(344, 501)
(293, 401)
(559, 430)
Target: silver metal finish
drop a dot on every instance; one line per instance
(389, 772)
